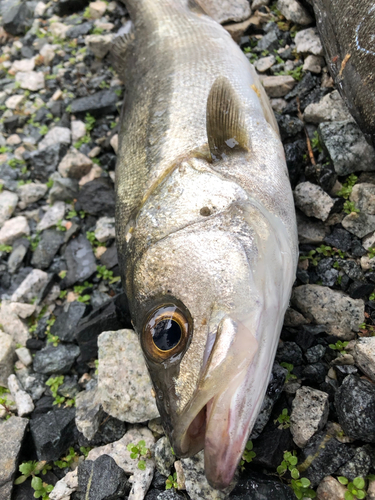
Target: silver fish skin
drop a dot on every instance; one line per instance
(206, 229)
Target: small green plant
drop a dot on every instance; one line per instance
(355, 489)
(73, 213)
(4, 149)
(311, 256)
(63, 294)
(283, 419)
(289, 375)
(49, 183)
(349, 207)
(171, 482)
(34, 241)
(247, 455)
(43, 130)
(96, 366)
(347, 186)
(15, 162)
(97, 31)
(90, 235)
(5, 248)
(60, 226)
(118, 92)
(339, 346)
(54, 383)
(300, 486)
(106, 274)
(85, 451)
(297, 73)
(139, 451)
(32, 468)
(86, 13)
(42, 490)
(315, 142)
(89, 122)
(371, 252)
(67, 461)
(4, 402)
(372, 296)
(51, 339)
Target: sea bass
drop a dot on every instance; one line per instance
(206, 229)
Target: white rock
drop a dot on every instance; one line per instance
(333, 308)
(74, 165)
(14, 140)
(40, 8)
(313, 64)
(330, 489)
(99, 44)
(65, 487)
(8, 203)
(278, 86)
(30, 193)
(370, 491)
(114, 143)
(22, 310)
(258, 3)
(118, 451)
(195, 480)
(94, 173)
(24, 356)
(330, 108)
(58, 135)
(13, 229)
(308, 41)
(369, 241)
(7, 346)
(14, 101)
(121, 358)
(224, 11)
(363, 196)
(278, 104)
(52, 216)
(30, 80)
(264, 63)
(23, 65)
(105, 229)
(364, 355)
(78, 130)
(237, 30)
(359, 224)
(309, 414)
(22, 399)
(88, 413)
(48, 53)
(59, 30)
(30, 286)
(97, 9)
(293, 11)
(13, 325)
(313, 201)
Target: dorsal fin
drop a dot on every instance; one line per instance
(120, 50)
(225, 120)
(195, 7)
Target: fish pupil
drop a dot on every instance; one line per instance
(166, 334)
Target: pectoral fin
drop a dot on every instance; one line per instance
(121, 53)
(225, 121)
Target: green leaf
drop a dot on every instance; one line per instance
(20, 480)
(294, 473)
(343, 480)
(281, 469)
(168, 485)
(142, 465)
(361, 494)
(370, 477)
(348, 496)
(293, 460)
(305, 482)
(359, 483)
(27, 468)
(36, 483)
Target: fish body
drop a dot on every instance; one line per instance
(206, 229)
(347, 32)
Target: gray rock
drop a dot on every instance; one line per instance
(58, 135)
(359, 224)
(363, 196)
(131, 402)
(264, 63)
(30, 193)
(99, 44)
(75, 165)
(347, 147)
(141, 480)
(58, 359)
(226, 10)
(30, 286)
(163, 456)
(168, 495)
(355, 406)
(35, 385)
(99, 104)
(89, 413)
(53, 433)
(313, 201)
(105, 229)
(24, 355)
(315, 353)
(13, 229)
(364, 355)
(80, 260)
(195, 480)
(66, 324)
(324, 306)
(49, 244)
(8, 202)
(308, 42)
(331, 108)
(7, 356)
(16, 257)
(309, 414)
(22, 399)
(293, 11)
(30, 80)
(310, 231)
(52, 216)
(278, 86)
(12, 432)
(63, 189)
(44, 163)
(17, 16)
(102, 479)
(359, 465)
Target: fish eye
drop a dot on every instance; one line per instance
(166, 332)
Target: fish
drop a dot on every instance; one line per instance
(205, 226)
(347, 33)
